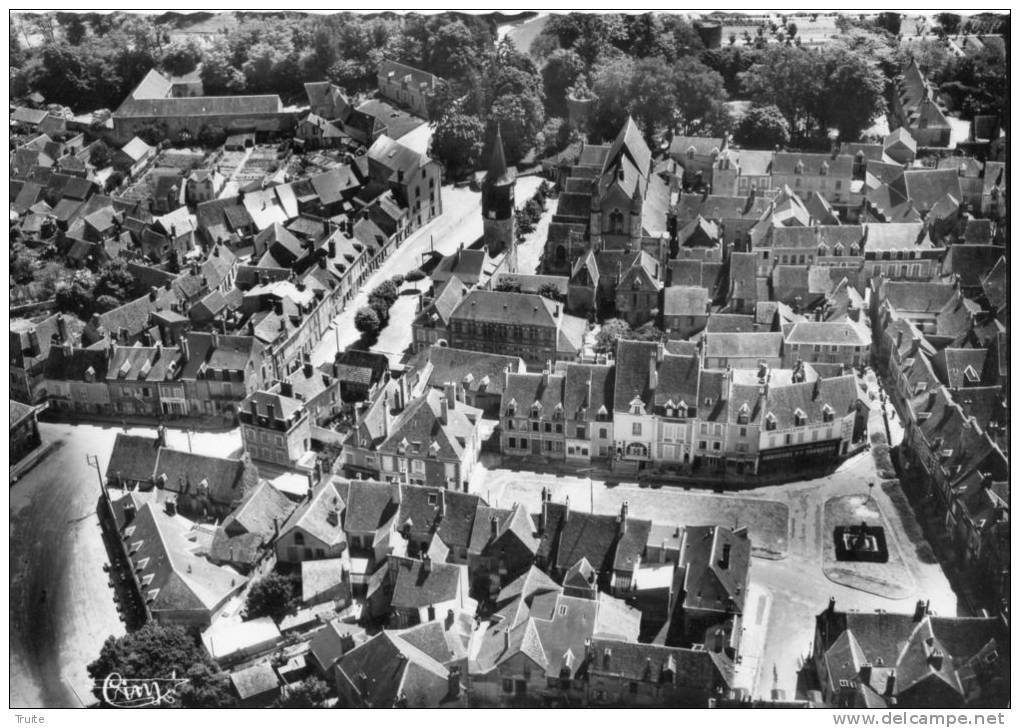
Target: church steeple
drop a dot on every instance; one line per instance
(497, 170)
(498, 202)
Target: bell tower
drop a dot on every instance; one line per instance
(498, 204)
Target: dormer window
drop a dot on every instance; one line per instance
(828, 414)
(854, 250)
(690, 152)
(798, 168)
(743, 414)
(799, 418)
(770, 421)
(511, 408)
(824, 168)
(637, 407)
(822, 251)
(536, 412)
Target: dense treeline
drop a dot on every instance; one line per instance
(653, 67)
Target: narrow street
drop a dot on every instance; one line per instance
(61, 607)
(460, 223)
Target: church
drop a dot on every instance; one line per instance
(612, 201)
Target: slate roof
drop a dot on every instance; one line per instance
(698, 670)
(258, 679)
(685, 301)
(174, 577)
(707, 585)
(971, 263)
(228, 480)
(915, 297)
(133, 458)
(840, 165)
(417, 586)
(313, 516)
(391, 669)
(632, 372)
(369, 506)
(420, 422)
(519, 309)
(761, 345)
(456, 365)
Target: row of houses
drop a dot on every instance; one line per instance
(945, 355)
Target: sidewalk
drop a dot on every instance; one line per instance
(29, 461)
(211, 423)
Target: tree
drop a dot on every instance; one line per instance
(181, 58)
(398, 280)
(366, 320)
(861, 96)
(508, 285)
(560, 73)
(211, 135)
(890, 22)
(100, 155)
(978, 84)
(270, 596)
(163, 653)
(550, 291)
(309, 693)
(453, 51)
(74, 29)
(387, 290)
(219, 76)
(949, 22)
(457, 141)
(77, 297)
(22, 266)
(763, 127)
(114, 181)
(413, 276)
(115, 280)
(612, 331)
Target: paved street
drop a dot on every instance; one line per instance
(461, 222)
(57, 551)
(795, 588)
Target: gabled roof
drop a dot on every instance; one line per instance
(320, 516)
(710, 581)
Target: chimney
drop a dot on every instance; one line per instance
(286, 389)
(890, 684)
(493, 527)
(185, 349)
(161, 436)
(450, 392)
(276, 528)
(33, 341)
(865, 673)
(278, 307)
(444, 413)
(254, 408)
(718, 640)
(331, 247)
(543, 517)
(62, 328)
(506, 639)
(919, 610)
(308, 369)
(270, 411)
(623, 517)
(832, 605)
(400, 176)
(935, 659)
(653, 373)
(724, 562)
(454, 678)
(321, 262)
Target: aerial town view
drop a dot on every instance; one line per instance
(509, 360)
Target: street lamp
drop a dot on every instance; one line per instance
(93, 460)
(591, 487)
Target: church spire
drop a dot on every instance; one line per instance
(497, 160)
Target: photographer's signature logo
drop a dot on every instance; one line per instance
(124, 692)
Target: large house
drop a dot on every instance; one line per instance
(920, 660)
(153, 102)
(433, 440)
(408, 87)
(516, 324)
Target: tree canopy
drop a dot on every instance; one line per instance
(271, 596)
(158, 652)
